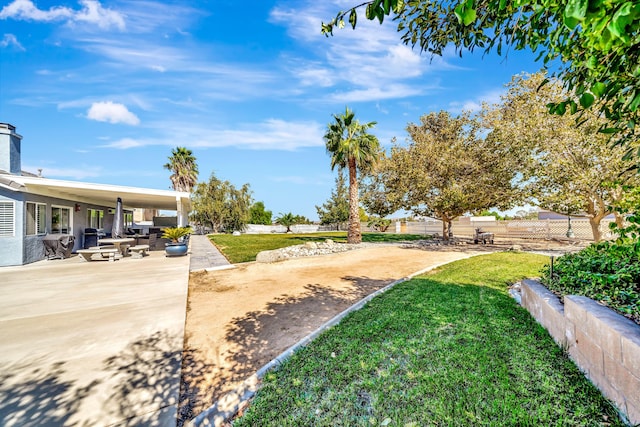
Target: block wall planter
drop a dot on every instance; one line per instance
(604, 344)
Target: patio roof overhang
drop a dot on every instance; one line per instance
(99, 194)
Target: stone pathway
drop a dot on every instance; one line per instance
(204, 255)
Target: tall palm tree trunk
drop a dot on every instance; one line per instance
(353, 235)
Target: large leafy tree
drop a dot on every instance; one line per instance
(447, 169)
(373, 189)
(220, 205)
(182, 164)
(593, 46)
(259, 215)
(352, 147)
(335, 211)
(569, 169)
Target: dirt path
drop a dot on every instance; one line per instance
(238, 320)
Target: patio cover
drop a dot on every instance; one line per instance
(102, 194)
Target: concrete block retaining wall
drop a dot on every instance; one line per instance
(604, 344)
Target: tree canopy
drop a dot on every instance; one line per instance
(220, 205)
(258, 214)
(335, 211)
(287, 220)
(569, 169)
(593, 46)
(182, 163)
(447, 169)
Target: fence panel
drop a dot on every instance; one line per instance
(522, 229)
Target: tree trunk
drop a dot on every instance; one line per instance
(597, 210)
(446, 227)
(354, 235)
(594, 221)
(619, 220)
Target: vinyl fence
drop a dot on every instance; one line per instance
(522, 229)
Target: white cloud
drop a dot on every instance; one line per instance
(272, 134)
(112, 113)
(474, 105)
(126, 143)
(27, 11)
(372, 61)
(390, 91)
(313, 75)
(11, 40)
(91, 12)
(83, 172)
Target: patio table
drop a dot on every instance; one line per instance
(117, 242)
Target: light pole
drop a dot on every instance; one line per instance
(569, 229)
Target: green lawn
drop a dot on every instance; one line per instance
(449, 348)
(245, 247)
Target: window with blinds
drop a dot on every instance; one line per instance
(36, 218)
(7, 219)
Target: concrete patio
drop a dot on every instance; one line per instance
(92, 343)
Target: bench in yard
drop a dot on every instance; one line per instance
(87, 254)
(138, 251)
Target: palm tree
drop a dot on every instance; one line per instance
(182, 163)
(352, 147)
(287, 220)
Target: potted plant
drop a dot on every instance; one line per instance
(178, 244)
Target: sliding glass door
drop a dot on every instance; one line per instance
(60, 220)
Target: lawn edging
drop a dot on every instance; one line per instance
(603, 344)
(229, 405)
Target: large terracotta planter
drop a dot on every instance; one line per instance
(175, 249)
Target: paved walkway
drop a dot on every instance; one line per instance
(92, 343)
(205, 256)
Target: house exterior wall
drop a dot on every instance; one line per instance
(22, 249)
(12, 247)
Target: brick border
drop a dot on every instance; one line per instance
(604, 344)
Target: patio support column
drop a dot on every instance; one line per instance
(182, 214)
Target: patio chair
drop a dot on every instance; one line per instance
(153, 240)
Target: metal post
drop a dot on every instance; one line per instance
(569, 229)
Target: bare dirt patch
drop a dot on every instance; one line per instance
(238, 320)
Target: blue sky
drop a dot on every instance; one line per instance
(101, 91)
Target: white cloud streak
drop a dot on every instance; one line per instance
(112, 113)
(11, 40)
(91, 12)
(272, 134)
(475, 105)
(83, 172)
(372, 62)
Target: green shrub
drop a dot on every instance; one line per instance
(379, 224)
(608, 272)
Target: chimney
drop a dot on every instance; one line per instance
(10, 149)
